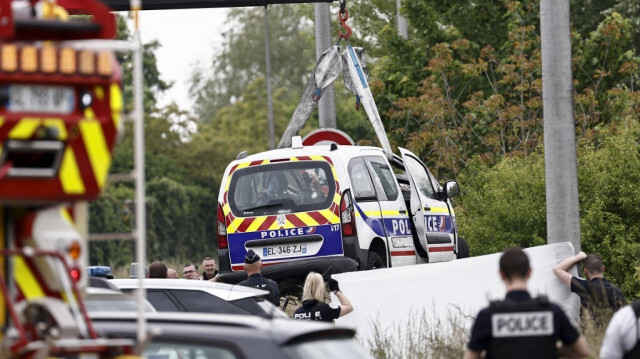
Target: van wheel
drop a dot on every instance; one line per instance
(374, 261)
(463, 248)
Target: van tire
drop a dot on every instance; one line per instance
(374, 261)
(463, 248)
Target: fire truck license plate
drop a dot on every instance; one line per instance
(284, 251)
(47, 99)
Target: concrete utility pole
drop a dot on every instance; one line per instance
(267, 50)
(327, 104)
(403, 27)
(561, 168)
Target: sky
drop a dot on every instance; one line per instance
(187, 37)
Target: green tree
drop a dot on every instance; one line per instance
(504, 205)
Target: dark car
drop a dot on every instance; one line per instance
(182, 295)
(191, 335)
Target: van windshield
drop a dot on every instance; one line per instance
(285, 187)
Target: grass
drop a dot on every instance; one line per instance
(424, 337)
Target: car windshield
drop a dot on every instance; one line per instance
(327, 348)
(285, 187)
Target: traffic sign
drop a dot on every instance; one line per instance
(326, 136)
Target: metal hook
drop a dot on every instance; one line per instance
(343, 17)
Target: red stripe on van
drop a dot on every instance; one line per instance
(318, 217)
(232, 169)
(441, 249)
(328, 160)
(403, 253)
(254, 163)
(295, 220)
(304, 158)
(267, 223)
(245, 224)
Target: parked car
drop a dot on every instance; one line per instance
(191, 336)
(182, 295)
(109, 300)
(322, 207)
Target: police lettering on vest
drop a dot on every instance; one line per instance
(522, 324)
(524, 327)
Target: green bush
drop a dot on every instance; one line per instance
(504, 205)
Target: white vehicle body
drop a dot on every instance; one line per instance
(335, 201)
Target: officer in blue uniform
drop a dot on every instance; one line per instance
(253, 267)
(521, 326)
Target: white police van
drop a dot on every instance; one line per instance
(325, 207)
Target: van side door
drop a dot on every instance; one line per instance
(430, 214)
(393, 211)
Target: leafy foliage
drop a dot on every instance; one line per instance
(504, 205)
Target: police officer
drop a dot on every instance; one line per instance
(521, 326)
(313, 306)
(621, 338)
(253, 267)
(595, 291)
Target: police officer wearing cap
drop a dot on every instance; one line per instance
(253, 267)
(521, 326)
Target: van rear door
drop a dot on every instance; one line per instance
(430, 215)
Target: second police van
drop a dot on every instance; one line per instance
(314, 207)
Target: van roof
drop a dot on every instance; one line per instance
(321, 150)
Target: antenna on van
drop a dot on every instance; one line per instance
(241, 155)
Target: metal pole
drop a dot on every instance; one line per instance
(403, 27)
(561, 166)
(139, 174)
(327, 104)
(267, 50)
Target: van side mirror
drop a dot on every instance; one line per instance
(451, 189)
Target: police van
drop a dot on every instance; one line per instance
(322, 207)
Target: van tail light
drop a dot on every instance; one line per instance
(222, 229)
(347, 215)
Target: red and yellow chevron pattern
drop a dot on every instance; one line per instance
(89, 138)
(330, 215)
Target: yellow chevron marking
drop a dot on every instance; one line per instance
(243, 165)
(99, 92)
(97, 149)
(70, 178)
(330, 216)
(256, 224)
(307, 219)
(318, 158)
(58, 124)
(226, 209)
(1, 121)
(233, 226)
(115, 96)
(295, 159)
(25, 279)
(265, 162)
(88, 113)
(24, 128)
(336, 199)
(275, 225)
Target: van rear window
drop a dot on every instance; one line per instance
(285, 187)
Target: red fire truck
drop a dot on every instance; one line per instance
(60, 111)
